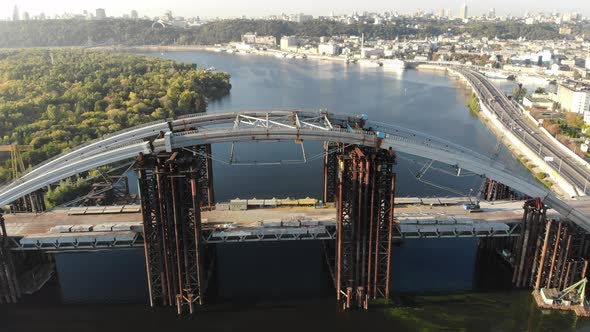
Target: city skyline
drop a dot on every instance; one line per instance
(257, 8)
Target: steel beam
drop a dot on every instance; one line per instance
(171, 189)
(365, 201)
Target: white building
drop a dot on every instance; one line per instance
(588, 62)
(288, 43)
(328, 49)
(100, 14)
(587, 117)
(574, 98)
(254, 38)
(367, 52)
(463, 14)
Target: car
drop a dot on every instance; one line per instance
(471, 206)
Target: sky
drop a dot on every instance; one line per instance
(254, 8)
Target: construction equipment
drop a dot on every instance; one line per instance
(17, 165)
(579, 296)
(33, 202)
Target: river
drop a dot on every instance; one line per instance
(437, 284)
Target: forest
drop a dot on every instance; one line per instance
(47, 33)
(56, 99)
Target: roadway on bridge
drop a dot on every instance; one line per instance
(27, 224)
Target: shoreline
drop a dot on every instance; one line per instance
(213, 49)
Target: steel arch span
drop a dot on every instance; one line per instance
(211, 128)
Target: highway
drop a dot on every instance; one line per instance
(513, 118)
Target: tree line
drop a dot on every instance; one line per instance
(56, 99)
(53, 33)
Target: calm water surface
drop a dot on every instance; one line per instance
(439, 284)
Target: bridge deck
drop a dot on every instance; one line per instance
(109, 227)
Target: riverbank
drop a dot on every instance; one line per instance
(215, 49)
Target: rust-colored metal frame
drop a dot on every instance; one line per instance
(9, 286)
(365, 209)
(171, 191)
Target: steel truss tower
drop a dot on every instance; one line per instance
(171, 186)
(365, 208)
(9, 285)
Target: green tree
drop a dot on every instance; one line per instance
(574, 120)
(519, 92)
(56, 102)
(185, 101)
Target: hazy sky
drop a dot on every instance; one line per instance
(233, 8)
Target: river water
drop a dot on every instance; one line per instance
(438, 284)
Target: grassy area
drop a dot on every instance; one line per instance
(476, 312)
(473, 104)
(542, 177)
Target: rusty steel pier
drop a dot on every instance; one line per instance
(173, 188)
(365, 207)
(548, 253)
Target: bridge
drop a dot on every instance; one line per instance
(119, 227)
(173, 160)
(202, 129)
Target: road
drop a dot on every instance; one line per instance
(514, 119)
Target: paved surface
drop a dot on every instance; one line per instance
(28, 224)
(513, 118)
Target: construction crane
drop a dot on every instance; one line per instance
(16, 160)
(32, 202)
(580, 295)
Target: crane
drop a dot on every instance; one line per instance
(31, 202)
(16, 160)
(579, 287)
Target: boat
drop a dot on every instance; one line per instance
(219, 50)
(369, 63)
(230, 51)
(280, 55)
(290, 56)
(393, 64)
(495, 74)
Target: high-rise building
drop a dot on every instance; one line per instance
(134, 15)
(15, 14)
(463, 12)
(26, 16)
(448, 13)
(492, 13)
(100, 14)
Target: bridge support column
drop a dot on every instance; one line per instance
(33, 202)
(331, 150)
(527, 244)
(9, 286)
(494, 191)
(203, 154)
(171, 198)
(365, 209)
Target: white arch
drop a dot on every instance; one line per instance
(289, 125)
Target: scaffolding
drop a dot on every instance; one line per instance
(365, 207)
(177, 260)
